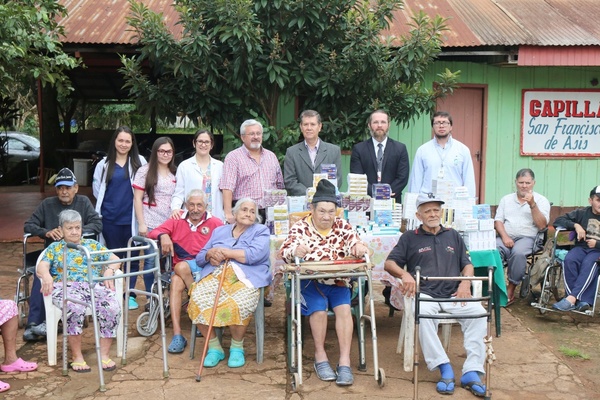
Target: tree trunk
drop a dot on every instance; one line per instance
(51, 135)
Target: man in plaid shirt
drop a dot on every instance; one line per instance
(249, 170)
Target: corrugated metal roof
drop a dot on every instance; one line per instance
(104, 21)
(565, 55)
(474, 23)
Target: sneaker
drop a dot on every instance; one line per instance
(40, 329)
(29, 336)
(564, 305)
(133, 305)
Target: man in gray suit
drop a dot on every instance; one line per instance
(304, 159)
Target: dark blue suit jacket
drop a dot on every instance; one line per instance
(394, 170)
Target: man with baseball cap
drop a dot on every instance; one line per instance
(441, 252)
(324, 236)
(44, 223)
(579, 268)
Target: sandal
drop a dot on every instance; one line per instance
(344, 376)
(81, 365)
(4, 386)
(19, 366)
(177, 344)
(213, 357)
(236, 358)
(106, 367)
(447, 382)
(474, 386)
(324, 371)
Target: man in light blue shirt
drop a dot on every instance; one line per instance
(442, 158)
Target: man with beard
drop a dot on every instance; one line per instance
(183, 239)
(441, 252)
(519, 217)
(442, 158)
(44, 223)
(381, 158)
(249, 170)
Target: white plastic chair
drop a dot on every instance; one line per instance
(54, 314)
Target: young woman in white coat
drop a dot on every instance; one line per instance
(112, 182)
(200, 171)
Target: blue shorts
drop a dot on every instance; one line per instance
(195, 269)
(320, 297)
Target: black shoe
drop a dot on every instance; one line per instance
(29, 336)
(582, 306)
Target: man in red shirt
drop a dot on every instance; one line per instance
(183, 239)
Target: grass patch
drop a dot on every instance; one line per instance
(573, 353)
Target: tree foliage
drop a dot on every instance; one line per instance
(237, 58)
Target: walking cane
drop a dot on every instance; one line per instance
(212, 320)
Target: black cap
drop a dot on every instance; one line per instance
(595, 191)
(65, 177)
(325, 192)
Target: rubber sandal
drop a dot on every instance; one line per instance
(4, 386)
(344, 376)
(471, 385)
(213, 357)
(19, 366)
(446, 382)
(236, 358)
(564, 305)
(324, 371)
(510, 302)
(80, 364)
(177, 344)
(105, 368)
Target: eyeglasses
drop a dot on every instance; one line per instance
(441, 123)
(165, 152)
(254, 134)
(203, 142)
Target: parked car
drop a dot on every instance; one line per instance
(17, 147)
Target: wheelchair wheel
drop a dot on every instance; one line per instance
(145, 326)
(525, 287)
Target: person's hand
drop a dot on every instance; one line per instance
(215, 256)
(166, 245)
(54, 234)
(359, 250)
(301, 251)
(229, 218)
(463, 291)
(580, 232)
(47, 285)
(110, 284)
(508, 242)
(176, 214)
(142, 229)
(591, 243)
(409, 286)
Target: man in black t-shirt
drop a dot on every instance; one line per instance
(441, 252)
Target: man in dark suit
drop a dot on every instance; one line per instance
(381, 158)
(304, 159)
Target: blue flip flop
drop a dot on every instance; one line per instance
(448, 386)
(177, 345)
(474, 385)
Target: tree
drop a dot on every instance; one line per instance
(30, 45)
(237, 58)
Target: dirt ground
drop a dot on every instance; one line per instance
(566, 330)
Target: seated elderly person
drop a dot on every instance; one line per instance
(323, 236)
(50, 272)
(245, 244)
(580, 267)
(441, 252)
(183, 239)
(8, 325)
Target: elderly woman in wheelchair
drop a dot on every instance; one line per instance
(50, 271)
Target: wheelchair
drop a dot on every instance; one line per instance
(147, 321)
(552, 277)
(27, 271)
(536, 251)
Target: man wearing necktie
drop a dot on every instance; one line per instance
(381, 158)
